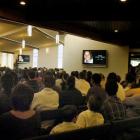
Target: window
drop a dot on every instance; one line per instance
(60, 56)
(7, 60)
(35, 57)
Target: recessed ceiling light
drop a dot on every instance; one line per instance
(123, 0)
(116, 31)
(22, 3)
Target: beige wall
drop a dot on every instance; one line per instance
(117, 55)
(48, 59)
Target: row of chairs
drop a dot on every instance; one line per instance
(128, 129)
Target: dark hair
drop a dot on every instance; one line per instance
(118, 78)
(94, 103)
(82, 75)
(31, 74)
(112, 77)
(7, 82)
(76, 74)
(111, 88)
(71, 82)
(21, 97)
(96, 78)
(68, 112)
(130, 78)
(49, 81)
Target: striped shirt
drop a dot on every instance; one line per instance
(113, 109)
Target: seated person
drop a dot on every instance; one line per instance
(96, 88)
(70, 96)
(32, 81)
(46, 99)
(91, 117)
(81, 84)
(113, 108)
(112, 77)
(7, 83)
(133, 106)
(69, 113)
(20, 122)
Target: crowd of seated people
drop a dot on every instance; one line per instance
(83, 99)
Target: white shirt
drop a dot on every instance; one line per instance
(46, 99)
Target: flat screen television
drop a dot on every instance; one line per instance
(96, 58)
(23, 58)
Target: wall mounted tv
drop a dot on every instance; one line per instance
(23, 58)
(97, 58)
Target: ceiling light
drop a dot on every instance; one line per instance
(20, 51)
(29, 30)
(116, 31)
(123, 0)
(57, 38)
(22, 3)
(23, 44)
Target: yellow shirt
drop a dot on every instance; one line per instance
(89, 118)
(120, 93)
(82, 85)
(132, 92)
(63, 127)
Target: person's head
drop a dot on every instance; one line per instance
(49, 81)
(82, 75)
(112, 77)
(21, 97)
(94, 103)
(111, 88)
(31, 74)
(118, 78)
(7, 82)
(130, 78)
(71, 82)
(96, 78)
(87, 55)
(68, 112)
(76, 74)
(102, 77)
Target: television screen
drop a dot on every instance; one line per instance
(23, 58)
(95, 57)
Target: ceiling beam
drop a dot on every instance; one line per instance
(47, 35)
(19, 42)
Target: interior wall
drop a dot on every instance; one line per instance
(45, 58)
(74, 46)
(48, 57)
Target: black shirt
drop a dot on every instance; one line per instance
(70, 97)
(14, 128)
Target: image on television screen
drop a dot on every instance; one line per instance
(95, 57)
